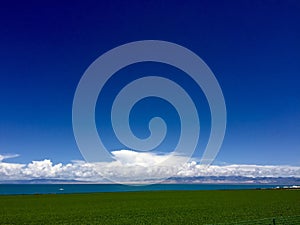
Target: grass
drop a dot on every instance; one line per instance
(159, 207)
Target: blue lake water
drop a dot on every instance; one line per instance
(11, 189)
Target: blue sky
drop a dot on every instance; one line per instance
(252, 48)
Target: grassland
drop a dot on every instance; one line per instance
(161, 207)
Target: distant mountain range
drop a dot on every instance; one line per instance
(180, 180)
(41, 181)
(236, 180)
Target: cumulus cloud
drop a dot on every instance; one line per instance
(134, 166)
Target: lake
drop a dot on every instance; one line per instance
(12, 189)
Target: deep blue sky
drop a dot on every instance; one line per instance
(252, 47)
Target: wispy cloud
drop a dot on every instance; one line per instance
(130, 165)
(8, 156)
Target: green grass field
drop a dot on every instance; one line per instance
(161, 207)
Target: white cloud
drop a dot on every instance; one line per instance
(9, 156)
(130, 165)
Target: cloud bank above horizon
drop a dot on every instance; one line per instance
(133, 166)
